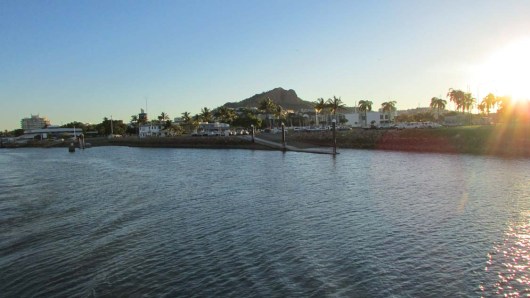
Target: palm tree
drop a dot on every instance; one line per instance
(388, 107)
(187, 121)
(186, 118)
(225, 115)
(163, 117)
(279, 113)
(482, 107)
(365, 106)
(504, 103)
(438, 104)
(320, 105)
(334, 104)
(269, 107)
(468, 102)
(195, 120)
(206, 115)
(488, 102)
(457, 97)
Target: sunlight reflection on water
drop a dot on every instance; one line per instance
(168, 222)
(510, 260)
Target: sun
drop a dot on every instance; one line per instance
(507, 71)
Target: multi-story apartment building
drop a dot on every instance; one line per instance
(34, 122)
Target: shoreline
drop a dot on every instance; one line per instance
(500, 140)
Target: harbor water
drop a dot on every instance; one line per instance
(120, 221)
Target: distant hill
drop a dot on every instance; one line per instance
(285, 98)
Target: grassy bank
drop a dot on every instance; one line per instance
(500, 140)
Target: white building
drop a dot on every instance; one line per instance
(358, 119)
(378, 119)
(150, 130)
(51, 132)
(216, 128)
(34, 122)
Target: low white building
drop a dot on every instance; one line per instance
(51, 132)
(358, 119)
(150, 130)
(216, 128)
(379, 119)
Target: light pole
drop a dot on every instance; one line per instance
(252, 126)
(283, 135)
(111, 128)
(334, 127)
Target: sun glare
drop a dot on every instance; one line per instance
(507, 71)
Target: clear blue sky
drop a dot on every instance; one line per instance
(85, 60)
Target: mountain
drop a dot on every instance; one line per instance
(285, 98)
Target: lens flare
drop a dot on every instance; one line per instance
(506, 71)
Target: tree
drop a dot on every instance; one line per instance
(206, 115)
(163, 117)
(176, 129)
(279, 113)
(247, 118)
(335, 104)
(133, 125)
(457, 97)
(504, 106)
(438, 104)
(482, 107)
(75, 124)
(17, 132)
(468, 102)
(225, 115)
(187, 121)
(108, 126)
(196, 119)
(269, 107)
(186, 118)
(320, 105)
(365, 106)
(388, 107)
(488, 102)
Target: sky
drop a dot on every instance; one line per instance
(86, 60)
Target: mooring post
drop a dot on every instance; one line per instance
(283, 135)
(334, 127)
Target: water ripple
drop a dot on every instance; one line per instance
(176, 222)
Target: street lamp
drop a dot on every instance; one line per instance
(111, 128)
(334, 127)
(283, 135)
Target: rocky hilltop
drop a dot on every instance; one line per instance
(285, 98)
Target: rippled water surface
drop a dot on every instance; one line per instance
(123, 221)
